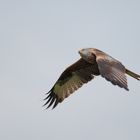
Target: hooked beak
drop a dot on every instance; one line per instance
(80, 52)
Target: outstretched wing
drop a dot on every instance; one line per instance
(111, 69)
(70, 80)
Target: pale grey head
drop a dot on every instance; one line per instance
(87, 54)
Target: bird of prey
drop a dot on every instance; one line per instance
(93, 62)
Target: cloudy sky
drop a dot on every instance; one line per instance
(38, 40)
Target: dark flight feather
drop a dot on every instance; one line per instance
(112, 70)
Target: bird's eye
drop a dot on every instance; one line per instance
(93, 55)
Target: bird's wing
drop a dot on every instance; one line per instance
(111, 69)
(70, 80)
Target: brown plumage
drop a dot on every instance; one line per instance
(93, 62)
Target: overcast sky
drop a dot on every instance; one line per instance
(38, 40)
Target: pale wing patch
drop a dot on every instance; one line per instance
(70, 80)
(63, 91)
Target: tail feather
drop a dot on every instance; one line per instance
(132, 74)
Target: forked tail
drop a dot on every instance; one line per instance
(132, 74)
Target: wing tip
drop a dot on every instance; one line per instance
(51, 99)
(123, 86)
(126, 88)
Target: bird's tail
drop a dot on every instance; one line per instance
(132, 74)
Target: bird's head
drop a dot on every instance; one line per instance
(87, 55)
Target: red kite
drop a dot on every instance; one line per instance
(93, 62)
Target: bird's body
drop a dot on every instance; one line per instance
(93, 62)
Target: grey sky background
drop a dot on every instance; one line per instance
(38, 40)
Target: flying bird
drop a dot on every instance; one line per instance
(93, 62)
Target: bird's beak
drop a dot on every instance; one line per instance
(79, 52)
